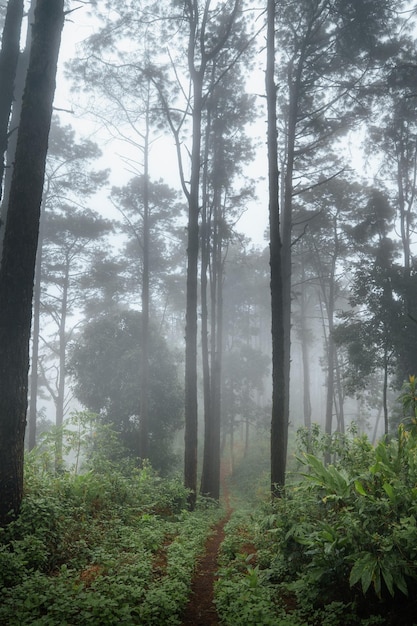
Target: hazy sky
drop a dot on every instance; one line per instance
(163, 161)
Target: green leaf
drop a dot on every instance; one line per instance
(388, 579)
(389, 490)
(360, 488)
(363, 570)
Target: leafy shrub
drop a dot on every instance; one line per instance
(99, 548)
(340, 546)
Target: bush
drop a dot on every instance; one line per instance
(340, 546)
(99, 548)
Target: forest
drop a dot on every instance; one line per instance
(208, 312)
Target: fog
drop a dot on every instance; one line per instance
(115, 231)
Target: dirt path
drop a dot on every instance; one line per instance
(201, 610)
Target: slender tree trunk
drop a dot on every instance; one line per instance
(378, 417)
(217, 351)
(34, 375)
(385, 394)
(211, 349)
(305, 357)
(19, 250)
(9, 56)
(330, 384)
(191, 404)
(206, 487)
(62, 353)
(279, 421)
(232, 445)
(144, 395)
(339, 393)
(404, 213)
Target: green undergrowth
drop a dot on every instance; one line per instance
(338, 549)
(108, 547)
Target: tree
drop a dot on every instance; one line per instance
(208, 32)
(325, 49)
(226, 150)
(202, 44)
(69, 238)
(106, 361)
(392, 133)
(19, 251)
(69, 181)
(149, 211)
(14, 121)
(370, 330)
(323, 214)
(279, 420)
(9, 55)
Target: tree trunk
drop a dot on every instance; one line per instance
(211, 263)
(339, 394)
(191, 404)
(62, 351)
(305, 356)
(385, 394)
(19, 86)
(216, 352)
(19, 250)
(9, 56)
(206, 483)
(34, 376)
(279, 421)
(144, 395)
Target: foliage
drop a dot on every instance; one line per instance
(408, 399)
(106, 361)
(99, 548)
(338, 547)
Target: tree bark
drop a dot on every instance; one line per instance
(34, 376)
(279, 420)
(62, 352)
(305, 354)
(191, 404)
(216, 351)
(19, 251)
(9, 56)
(206, 486)
(144, 395)
(19, 86)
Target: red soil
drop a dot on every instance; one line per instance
(201, 610)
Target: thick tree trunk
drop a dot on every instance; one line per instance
(19, 86)
(9, 56)
(19, 250)
(279, 421)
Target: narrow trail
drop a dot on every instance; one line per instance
(201, 610)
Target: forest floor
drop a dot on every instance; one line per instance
(201, 610)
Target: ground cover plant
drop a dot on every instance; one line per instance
(340, 546)
(112, 545)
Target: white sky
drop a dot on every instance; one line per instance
(163, 163)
